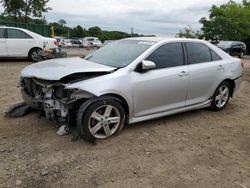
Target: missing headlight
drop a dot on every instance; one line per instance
(60, 92)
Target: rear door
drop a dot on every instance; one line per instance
(206, 71)
(3, 48)
(18, 43)
(163, 88)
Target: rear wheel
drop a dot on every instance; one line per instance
(221, 96)
(35, 55)
(101, 120)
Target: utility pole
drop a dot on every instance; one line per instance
(132, 30)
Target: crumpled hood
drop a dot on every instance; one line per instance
(56, 69)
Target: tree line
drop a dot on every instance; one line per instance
(61, 29)
(31, 11)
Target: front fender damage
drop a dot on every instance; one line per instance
(54, 99)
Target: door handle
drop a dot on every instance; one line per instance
(220, 67)
(183, 73)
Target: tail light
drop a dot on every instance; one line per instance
(242, 63)
(56, 43)
(63, 43)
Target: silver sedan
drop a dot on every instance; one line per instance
(129, 81)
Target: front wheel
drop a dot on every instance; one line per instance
(101, 120)
(221, 96)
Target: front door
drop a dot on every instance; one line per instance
(164, 88)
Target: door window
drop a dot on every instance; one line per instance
(215, 57)
(168, 55)
(2, 33)
(198, 53)
(17, 34)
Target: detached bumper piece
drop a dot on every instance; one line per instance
(52, 54)
(18, 110)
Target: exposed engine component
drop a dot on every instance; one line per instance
(47, 96)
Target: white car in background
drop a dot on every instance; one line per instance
(22, 43)
(92, 42)
(62, 42)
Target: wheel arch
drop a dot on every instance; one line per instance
(87, 103)
(232, 85)
(120, 99)
(33, 48)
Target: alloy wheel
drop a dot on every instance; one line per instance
(104, 121)
(36, 55)
(222, 96)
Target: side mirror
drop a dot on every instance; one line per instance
(145, 66)
(148, 65)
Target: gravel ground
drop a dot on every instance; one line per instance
(194, 149)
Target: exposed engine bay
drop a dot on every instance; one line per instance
(51, 98)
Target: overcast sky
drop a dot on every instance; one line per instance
(160, 17)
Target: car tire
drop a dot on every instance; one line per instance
(221, 96)
(101, 120)
(241, 55)
(35, 55)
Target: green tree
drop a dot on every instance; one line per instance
(62, 22)
(188, 32)
(78, 32)
(38, 7)
(24, 9)
(95, 31)
(227, 22)
(13, 7)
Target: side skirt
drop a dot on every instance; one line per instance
(171, 112)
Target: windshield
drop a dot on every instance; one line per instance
(225, 44)
(119, 54)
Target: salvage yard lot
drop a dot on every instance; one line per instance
(195, 149)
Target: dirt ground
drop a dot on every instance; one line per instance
(194, 149)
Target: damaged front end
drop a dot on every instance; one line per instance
(51, 98)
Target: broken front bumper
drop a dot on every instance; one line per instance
(53, 109)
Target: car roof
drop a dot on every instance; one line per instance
(33, 34)
(162, 39)
(10, 27)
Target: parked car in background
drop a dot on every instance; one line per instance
(76, 42)
(62, 42)
(22, 43)
(92, 42)
(66, 43)
(85, 43)
(234, 48)
(162, 76)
